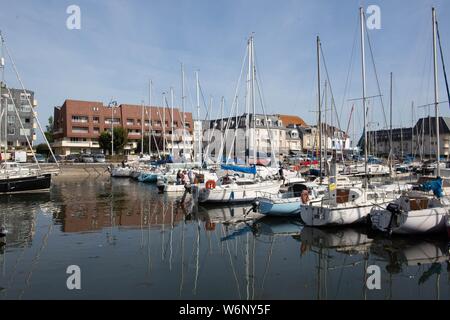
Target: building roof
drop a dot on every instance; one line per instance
(423, 124)
(292, 120)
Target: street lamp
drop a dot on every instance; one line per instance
(112, 104)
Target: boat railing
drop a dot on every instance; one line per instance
(268, 195)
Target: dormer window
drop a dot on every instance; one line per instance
(258, 122)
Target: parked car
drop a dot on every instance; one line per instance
(87, 158)
(99, 158)
(52, 160)
(40, 158)
(71, 158)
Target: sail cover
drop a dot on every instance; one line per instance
(250, 170)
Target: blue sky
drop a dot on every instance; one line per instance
(122, 44)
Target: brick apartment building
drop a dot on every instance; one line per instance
(78, 124)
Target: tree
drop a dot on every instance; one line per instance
(120, 139)
(138, 149)
(104, 141)
(49, 130)
(42, 148)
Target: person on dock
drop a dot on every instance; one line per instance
(281, 173)
(179, 177)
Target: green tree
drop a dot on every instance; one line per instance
(49, 130)
(42, 148)
(120, 139)
(104, 141)
(138, 149)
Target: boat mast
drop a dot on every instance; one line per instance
(325, 147)
(150, 118)
(320, 109)
(253, 100)
(436, 94)
(5, 110)
(200, 130)
(412, 129)
(164, 123)
(363, 71)
(390, 133)
(171, 119)
(142, 128)
(248, 101)
(182, 108)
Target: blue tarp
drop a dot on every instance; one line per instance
(250, 170)
(436, 186)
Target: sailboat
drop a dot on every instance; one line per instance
(14, 177)
(345, 205)
(418, 211)
(235, 188)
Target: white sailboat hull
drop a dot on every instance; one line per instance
(236, 193)
(316, 216)
(430, 220)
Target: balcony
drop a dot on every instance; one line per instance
(75, 144)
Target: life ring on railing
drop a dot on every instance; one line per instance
(210, 184)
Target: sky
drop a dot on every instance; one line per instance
(122, 45)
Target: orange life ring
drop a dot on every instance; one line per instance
(210, 184)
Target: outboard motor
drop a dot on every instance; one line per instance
(395, 211)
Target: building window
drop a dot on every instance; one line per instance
(96, 119)
(258, 122)
(25, 132)
(11, 119)
(130, 122)
(11, 107)
(25, 108)
(147, 123)
(269, 122)
(280, 123)
(187, 125)
(134, 132)
(80, 119)
(11, 131)
(27, 120)
(80, 130)
(96, 130)
(114, 121)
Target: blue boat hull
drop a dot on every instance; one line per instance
(281, 209)
(148, 178)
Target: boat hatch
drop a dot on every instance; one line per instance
(417, 203)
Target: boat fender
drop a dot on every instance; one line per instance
(3, 232)
(210, 184)
(305, 196)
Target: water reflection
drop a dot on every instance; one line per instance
(132, 242)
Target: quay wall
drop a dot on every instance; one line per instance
(75, 170)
